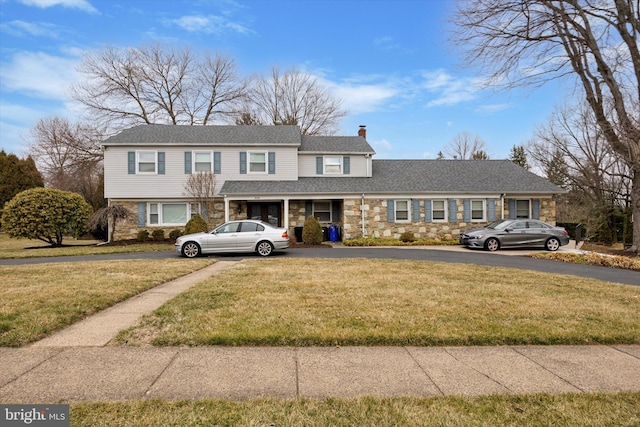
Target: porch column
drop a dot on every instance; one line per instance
(286, 214)
(226, 208)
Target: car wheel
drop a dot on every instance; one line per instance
(264, 248)
(190, 249)
(492, 245)
(552, 244)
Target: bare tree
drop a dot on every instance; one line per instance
(201, 189)
(69, 157)
(593, 41)
(464, 145)
(572, 147)
(293, 97)
(157, 84)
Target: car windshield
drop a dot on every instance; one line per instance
(498, 225)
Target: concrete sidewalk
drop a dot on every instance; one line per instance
(61, 375)
(76, 365)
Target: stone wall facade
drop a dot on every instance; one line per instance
(376, 224)
(375, 219)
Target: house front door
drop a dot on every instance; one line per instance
(267, 212)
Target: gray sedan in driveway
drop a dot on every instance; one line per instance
(515, 233)
(235, 237)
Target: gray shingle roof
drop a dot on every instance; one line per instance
(335, 144)
(203, 135)
(411, 177)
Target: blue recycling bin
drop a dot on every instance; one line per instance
(333, 233)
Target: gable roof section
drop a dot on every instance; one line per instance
(411, 177)
(206, 135)
(335, 145)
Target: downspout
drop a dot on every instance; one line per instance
(362, 212)
(502, 196)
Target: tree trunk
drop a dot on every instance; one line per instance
(635, 211)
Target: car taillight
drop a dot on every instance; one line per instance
(285, 235)
(566, 233)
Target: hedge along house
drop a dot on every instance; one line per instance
(276, 174)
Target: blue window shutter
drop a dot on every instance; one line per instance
(467, 210)
(319, 167)
(131, 162)
(243, 162)
(346, 165)
(308, 209)
(187, 162)
(491, 208)
(142, 215)
(391, 213)
(272, 162)
(536, 208)
(416, 210)
(428, 217)
(161, 162)
(453, 217)
(512, 208)
(217, 162)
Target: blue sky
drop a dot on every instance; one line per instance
(389, 62)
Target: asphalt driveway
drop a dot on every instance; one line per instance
(506, 258)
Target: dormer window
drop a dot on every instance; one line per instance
(333, 165)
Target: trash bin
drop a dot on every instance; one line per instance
(325, 234)
(297, 231)
(333, 232)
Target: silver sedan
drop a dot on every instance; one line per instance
(235, 237)
(511, 233)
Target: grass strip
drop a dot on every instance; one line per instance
(36, 300)
(321, 302)
(585, 410)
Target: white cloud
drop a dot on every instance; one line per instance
(449, 90)
(366, 98)
(22, 28)
(39, 75)
(73, 4)
(489, 109)
(209, 24)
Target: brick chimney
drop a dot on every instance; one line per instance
(362, 131)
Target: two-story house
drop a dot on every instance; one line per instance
(276, 174)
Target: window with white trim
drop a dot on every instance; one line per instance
(402, 210)
(202, 161)
(146, 161)
(257, 162)
(523, 209)
(438, 210)
(333, 164)
(322, 210)
(170, 213)
(477, 210)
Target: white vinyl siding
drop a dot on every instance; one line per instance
(359, 165)
(119, 184)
